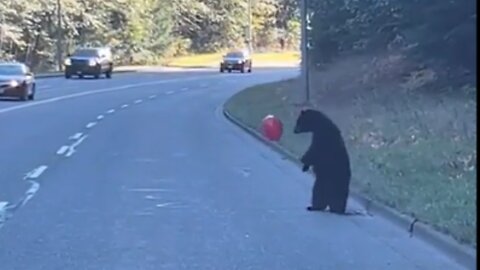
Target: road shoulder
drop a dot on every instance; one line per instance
(463, 254)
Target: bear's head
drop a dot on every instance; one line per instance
(305, 121)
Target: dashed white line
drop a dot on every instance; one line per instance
(111, 111)
(100, 117)
(152, 96)
(164, 204)
(3, 212)
(37, 172)
(3, 205)
(169, 92)
(34, 187)
(138, 101)
(184, 89)
(71, 148)
(101, 90)
(76, 136)
(91, 124)
(62, 150)
(3, 209)
(124, 106)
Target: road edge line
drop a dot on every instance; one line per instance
(462, 254)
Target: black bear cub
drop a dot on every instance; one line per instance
(329, 159)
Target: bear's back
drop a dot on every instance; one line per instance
(328, 143)
(324, 123)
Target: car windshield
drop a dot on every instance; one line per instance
(86, 53)
(12, 70)
(235, 55)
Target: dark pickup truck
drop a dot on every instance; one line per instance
(89, 62)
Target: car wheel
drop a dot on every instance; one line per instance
(250, 69)
(32, 95)
(242, 69)
(67, 76)
(229, 71)
(24, 96)
(80, 76)
(222, 70)
(108, 74)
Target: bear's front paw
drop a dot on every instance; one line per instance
(305, 168)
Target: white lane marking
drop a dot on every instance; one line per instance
(62, 150)
(72, 148)
(138, 101)
(152, 96)
(99, 91)
(184, 89)
(170, 92)
(124, 106)
(34, 187)
(76, 136)
(37, 172)
(43, 87)
(111, 111)
(3, 212)
(100, 117)
(91, 124)
(164, 204)
(3, 205)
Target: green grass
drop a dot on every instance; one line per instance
(208, 60)
(410, 151)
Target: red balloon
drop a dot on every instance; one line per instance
(272, 128)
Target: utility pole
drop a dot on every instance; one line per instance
(250, 47)
(59, 35)
(2, 25)
(304, 46)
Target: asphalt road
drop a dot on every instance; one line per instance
(143, 172)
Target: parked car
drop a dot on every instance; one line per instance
(236, 60)
(17, 81)
(89, 62)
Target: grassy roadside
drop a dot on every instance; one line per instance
(209, 60)
(412, 151)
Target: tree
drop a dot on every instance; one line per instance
(440, 31)
(139, 31)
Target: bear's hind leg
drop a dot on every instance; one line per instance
(319, 197)
(339, 208)
(338, 203)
